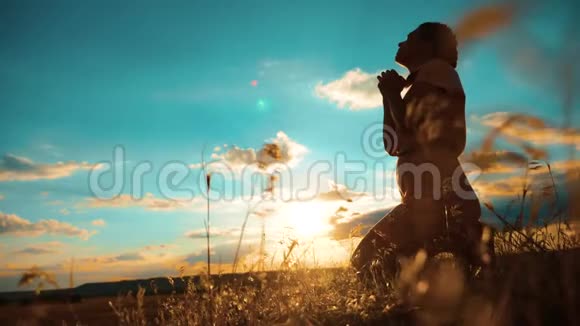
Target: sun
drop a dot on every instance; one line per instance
(309, 219)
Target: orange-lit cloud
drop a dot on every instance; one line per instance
(40, 248)
(215, 232)
(18, 168)
(98, 222)
(148, 202)
(340, 192)
(11, 224)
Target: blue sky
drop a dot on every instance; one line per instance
(164, 80)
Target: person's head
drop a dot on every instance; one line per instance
(430, 40)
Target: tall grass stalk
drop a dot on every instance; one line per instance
(207, 227)
(208, 234)
(249, 212)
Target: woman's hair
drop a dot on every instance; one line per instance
(443, 39)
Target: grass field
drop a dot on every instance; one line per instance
(532, 288)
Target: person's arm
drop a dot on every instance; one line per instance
(389, 129)
(397, 110)
(394, 130)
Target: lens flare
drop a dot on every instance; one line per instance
(262, 105)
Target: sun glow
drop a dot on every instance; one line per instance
(309, 219)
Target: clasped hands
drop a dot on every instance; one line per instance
(391, 84)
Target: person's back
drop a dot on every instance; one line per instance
(435, 122)
(430, 177)
(429, 123)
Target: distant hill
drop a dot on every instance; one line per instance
(104, 289)
(110, 289)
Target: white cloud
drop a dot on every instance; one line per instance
(340, 192)
(215, 232)
(12, 224)
(148, 202)
(291, 152)
(239, 157)
(194, 166)
(18, 168)
(356, 90)
(98, 222)
(280, 149)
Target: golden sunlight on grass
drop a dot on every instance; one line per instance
(288, 267)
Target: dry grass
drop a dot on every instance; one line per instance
(309, 296)
(531, 288)
(531, 281)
